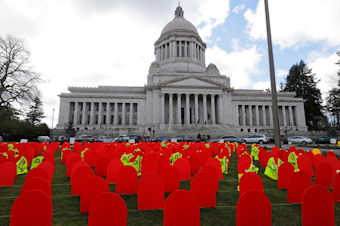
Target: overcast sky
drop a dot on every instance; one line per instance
(111, 42)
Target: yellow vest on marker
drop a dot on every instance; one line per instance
(174, 157)
(292, 158)
(125, 159)
(224, 164)
(36, 161)
(21, 165)
(137, 164)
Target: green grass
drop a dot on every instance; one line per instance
(66, 208)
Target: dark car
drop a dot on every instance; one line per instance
(205, 137)
(87, 138)
(283, 139)
(63, 139)
(42, 139)
(231, 139)
(126, 138)
(160, 139)
(322, 140)
(186, 139)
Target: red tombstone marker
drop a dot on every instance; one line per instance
(298, 182)
(181, 208)
(305, 164)
(101, 166)
(65, 154)
(127, 180)
(149, 165)
(283, 175)
(48, 166)
(280, 154)
(310, 155)
(80, 175)
(69, 156)
(112, 170)
(38, 183)
(285, 156)
(265, 157)
(330, 153)
(212, 170)
(108, 209)
(334, 163)
(150, 192)
(37, 172)
(194, 164)
(261, 215)
(50, 158)
(202, 158)
(32, 208)
(90, 189)
(317, 159)
(170, 176)
(261, 153)
(244, 159)
(336, 188)
(75, 167)
(317, 207)
(8, 172)
(162, 160)
(274, 151)
(217, 164)
(250, 181)
(183, 167)
(324, 174)
(202, 186)
(70, 162)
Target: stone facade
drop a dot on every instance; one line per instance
(180, 90)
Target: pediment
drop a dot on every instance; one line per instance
(191, 81)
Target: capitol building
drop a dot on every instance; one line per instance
(180, 90)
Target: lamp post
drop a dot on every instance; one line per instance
(153, 132)
(52, 124)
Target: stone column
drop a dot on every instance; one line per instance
(158, 54)
(264, 118)
(170, 49)
(198, 52)
(75, 117)
(92, 114)
(257, 117)
(171, 116)
(205, 108)
(250, 115)
(179, 108)
(166, 51)
(116, 114)
(108, 113)
(174, 46)
(100, 113)
(180, 48)
(123, 114)
(212, 109)
(243, 116)
(131, 114)
(162, 49)
(203, 54)
(162, 108)
(84, 113)
(185, 49)
(187, 109)
(237, 115)
(194, 50)
(291, 115)
(196, 108)
(221, 120)
(284, 116)
(270, 115)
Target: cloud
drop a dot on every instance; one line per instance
(262, 85)
(297, 23)
(241, 65)
(281, 73)
(239, 8)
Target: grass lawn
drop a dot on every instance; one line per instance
(66, 208)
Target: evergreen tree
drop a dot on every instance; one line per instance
(70, 130)
(302, 81)
(333, 102)
(36, 112)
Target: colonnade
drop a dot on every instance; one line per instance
(178, 48)
(103, 113)
(188, 108)
(261, 115)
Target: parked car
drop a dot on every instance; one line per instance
(231, 139)
(205, 137)
(283, 139)
(62, 139)
(186, 139)
(87, 138)
(160, 139)
(104, 139)
(300, 140)
(126, 138)
(1, 139)
(257, 138)
(42, 139)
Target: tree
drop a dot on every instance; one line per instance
(302, 81)
(36, 112)
(70, 130)
(333, 102)
(18, 80)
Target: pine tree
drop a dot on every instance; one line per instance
(70, 130)
(302, 81)
(36, 111)
(333, 102)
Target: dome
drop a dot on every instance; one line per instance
(179, 23)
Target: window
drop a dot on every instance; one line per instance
(97, 107)
(128, 107)
(120, 106)
(88, 119)
(135, 119)
(104, 121)
(120, 120)
(127, 120)
(135, 107)
(113, 107)
(105, 106)
(96, 119)
(112, 119)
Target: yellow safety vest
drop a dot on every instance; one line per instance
(207, 145)
(5, 154)
(22, 165)
(137, 164)
(272, 168)
(125, 159)
(224, 164)
(292, 158)
(36, 161)
(82, 154)
(252, 168)
(255, 153)
(174, 157)
(10, 146)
